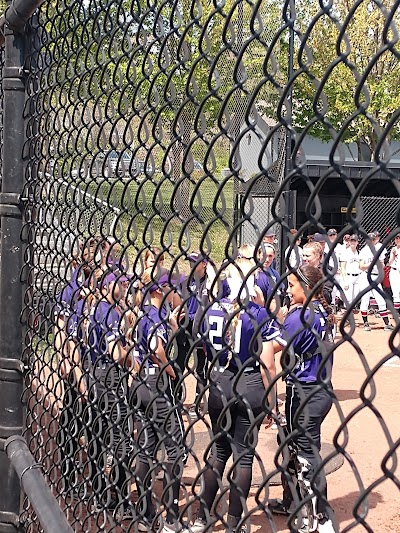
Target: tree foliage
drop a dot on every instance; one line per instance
(348, 70)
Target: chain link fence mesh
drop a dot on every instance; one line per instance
(380, 214)
(153, 130)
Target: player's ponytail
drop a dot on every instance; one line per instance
(312, 276)
(241, 281)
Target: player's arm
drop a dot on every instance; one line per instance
(364, 262)
(160, 357)
(268, 371)
(117, 350)
(61, 345)
(393, 255)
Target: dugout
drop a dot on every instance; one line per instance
(380, 197)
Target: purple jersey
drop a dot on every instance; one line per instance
(267, 280)
(74, 320)
(68, 296)
(254, 326)
(103, 327)
(70, 306)
(151, 327)
(226, 290)
(191, 290)
(303, 329)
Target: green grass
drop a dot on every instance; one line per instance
(151, 214)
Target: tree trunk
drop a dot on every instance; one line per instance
(364, 151)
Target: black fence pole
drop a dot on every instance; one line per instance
(11, 289)
(288, 216)
(48, 512)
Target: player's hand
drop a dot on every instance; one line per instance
(174, 317)
(259, 297)
(284, 310)
(170, 371)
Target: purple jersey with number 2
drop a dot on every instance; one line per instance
(254, 326)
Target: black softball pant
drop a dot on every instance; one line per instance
(109, 431)
(236, 407)
(70, 430)
(185, 343)
(159, 425)
(305, 419)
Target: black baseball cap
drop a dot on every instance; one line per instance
(319, 237)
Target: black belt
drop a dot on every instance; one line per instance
(354, 274)
(393, 268)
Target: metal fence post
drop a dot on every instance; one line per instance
(11, 289)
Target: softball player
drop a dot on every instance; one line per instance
(309, 397)
(152, 398)
(313, 255)
(267, 277)
(109, 423)
(370, 257)
(350, 263)
(191, 289)
(238, 335)
(69, 313)
(394, 274)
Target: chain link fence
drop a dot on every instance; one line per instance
(159, 138)
(380, 214)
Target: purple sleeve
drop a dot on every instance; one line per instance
(270, 329)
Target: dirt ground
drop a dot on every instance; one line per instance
(371, 410)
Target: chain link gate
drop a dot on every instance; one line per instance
(138, 118)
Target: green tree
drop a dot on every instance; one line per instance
(363, 75)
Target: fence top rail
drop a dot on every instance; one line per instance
(17, 15)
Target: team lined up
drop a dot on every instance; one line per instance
(127, 341)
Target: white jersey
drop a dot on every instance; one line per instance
(352, 261)
(382, 251)
(367, 256)
(296, 256)
(334, 259)
(396, 262)
(338, 249)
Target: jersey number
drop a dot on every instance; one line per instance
(217, 333)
